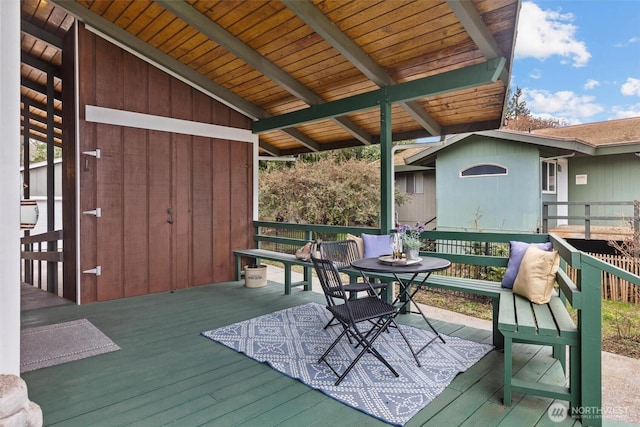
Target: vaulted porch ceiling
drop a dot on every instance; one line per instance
(310, 73)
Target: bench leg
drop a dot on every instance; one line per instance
(574, 376)
(498, 339)
(560, 353)
(238, 267)
(287, 279)
(307, 278)
(508, 370)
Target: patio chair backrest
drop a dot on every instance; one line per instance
(341, 252)
(330, 280)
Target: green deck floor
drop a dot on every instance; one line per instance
(167, 374)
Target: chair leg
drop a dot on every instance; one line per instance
(367, 347)
(508, 370)
(335, 342)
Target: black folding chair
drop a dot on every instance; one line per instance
(342, 253)
(352, 313)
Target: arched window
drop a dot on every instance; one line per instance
(483, 170)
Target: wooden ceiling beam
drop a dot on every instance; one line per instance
(315, 19)
(472, 22)
(41, 34)
(161, 60)
(37, 87)
(450, 81)
(42, 107)
(215, 32)
(41, 65)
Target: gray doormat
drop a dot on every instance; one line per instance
(51, 345)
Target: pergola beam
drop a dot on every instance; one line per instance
(159, 59)
(463, 78)
(41, 34)
(472, 22)
(213, 31)
(343, 44)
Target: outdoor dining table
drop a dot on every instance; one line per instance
(406, 275)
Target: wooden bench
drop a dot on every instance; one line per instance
(287, 260)
(520, 320)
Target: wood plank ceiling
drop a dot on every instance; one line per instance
(271, 58)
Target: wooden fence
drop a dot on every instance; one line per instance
(616, 289)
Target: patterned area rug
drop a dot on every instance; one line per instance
(292, 341)
(51, 345)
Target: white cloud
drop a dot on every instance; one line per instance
(631, 87)
(590, 84)
(546, 33)
(628, 42)
(564, 104)
(626, 112)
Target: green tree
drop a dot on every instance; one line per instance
(325, 191)
(515, 106)
(518, 117)
(38, 152)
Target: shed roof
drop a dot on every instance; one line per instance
(311, 74)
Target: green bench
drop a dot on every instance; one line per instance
(287, 260)
(519, 320)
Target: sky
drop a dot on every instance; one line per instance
(579, 60)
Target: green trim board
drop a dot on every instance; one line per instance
(467, 77)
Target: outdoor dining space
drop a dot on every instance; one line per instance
(167, 373)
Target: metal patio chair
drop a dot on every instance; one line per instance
(352, 314)
(342, 253)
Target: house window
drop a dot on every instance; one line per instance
(415, 183)
(549, 169)
(483, 170)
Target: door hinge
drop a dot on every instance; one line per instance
(97, 271)
(97, 212)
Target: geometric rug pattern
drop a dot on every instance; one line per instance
(292, 340)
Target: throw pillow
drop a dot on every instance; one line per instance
(537, 275)
(376, 245)
(358, 242)
(516, 252)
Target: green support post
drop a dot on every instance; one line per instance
(386, 180)
(590, 325)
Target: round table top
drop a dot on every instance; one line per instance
(427, 264)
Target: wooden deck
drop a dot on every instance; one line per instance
(167, 374)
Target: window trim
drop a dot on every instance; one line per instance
(542, 176)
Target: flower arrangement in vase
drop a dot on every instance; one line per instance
(411, 242)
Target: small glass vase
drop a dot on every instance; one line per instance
(413, 254)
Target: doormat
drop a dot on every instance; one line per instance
(50, 345)
(291, 341)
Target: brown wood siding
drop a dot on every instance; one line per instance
(87, 172)
(69, 155)
(173, 205)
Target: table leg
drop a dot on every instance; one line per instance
(406, 296)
